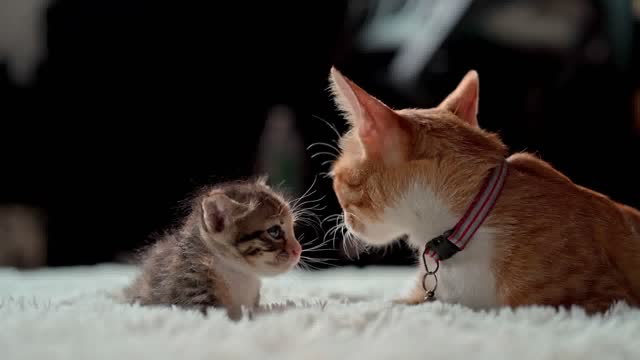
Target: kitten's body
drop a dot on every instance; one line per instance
(181, 272)
(547, 241)
(215, 259)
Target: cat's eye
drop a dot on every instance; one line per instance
(275, 232)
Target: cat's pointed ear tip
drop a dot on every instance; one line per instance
(340, 83)
(335, 74)
(473, 75)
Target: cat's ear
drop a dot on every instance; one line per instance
(463, 101)
(377, 126)
(219, 212)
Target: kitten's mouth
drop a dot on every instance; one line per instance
(285, 258)
(282, 256)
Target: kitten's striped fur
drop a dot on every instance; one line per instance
(234, 233)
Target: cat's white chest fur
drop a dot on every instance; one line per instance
(466, 278)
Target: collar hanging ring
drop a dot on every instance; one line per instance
(424, 283)
(426, 268)
(430, 293)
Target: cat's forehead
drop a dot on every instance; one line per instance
(422, 123)
(428, 116)
(418, 119)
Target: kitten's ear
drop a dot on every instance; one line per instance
(463, 101)
(219, 211)
(263, 180)
(378, 127)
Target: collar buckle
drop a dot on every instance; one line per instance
(442, 247)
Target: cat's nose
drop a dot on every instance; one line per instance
(295, 249)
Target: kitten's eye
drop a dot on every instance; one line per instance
(275, 232)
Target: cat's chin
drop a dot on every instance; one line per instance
(378, 241)
(376, 236)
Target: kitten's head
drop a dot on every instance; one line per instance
(252, 224)
(387, 152)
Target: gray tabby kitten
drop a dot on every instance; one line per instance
(235, 233)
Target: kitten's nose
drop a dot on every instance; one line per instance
(295, 250)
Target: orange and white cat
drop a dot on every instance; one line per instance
(546, 241)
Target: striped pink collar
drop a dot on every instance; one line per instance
(454, 240)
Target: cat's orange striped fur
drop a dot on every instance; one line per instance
(548, 241)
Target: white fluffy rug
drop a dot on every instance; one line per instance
(71, 314)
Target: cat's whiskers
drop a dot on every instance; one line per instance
(336, 148)
(330, 217)
(324, 144)
(345, 239)
(315, 247)
(334, 229)
(307, 222)
(331, 126)
(305, 215)
(327, 233)
(307, 218)
(299, 205)
(327, 162)
(334, 156)
(305, 243)
(300, 211)
(293, 203)
(350, 239)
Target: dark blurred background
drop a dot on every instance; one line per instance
(113, 112)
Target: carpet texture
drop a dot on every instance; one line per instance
(73, 313)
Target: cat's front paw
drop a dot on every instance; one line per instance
(407, 301)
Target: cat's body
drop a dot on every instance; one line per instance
(547, 241)
(587, 245)
(495, 269)
(235, 234)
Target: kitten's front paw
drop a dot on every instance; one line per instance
(234, 313)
